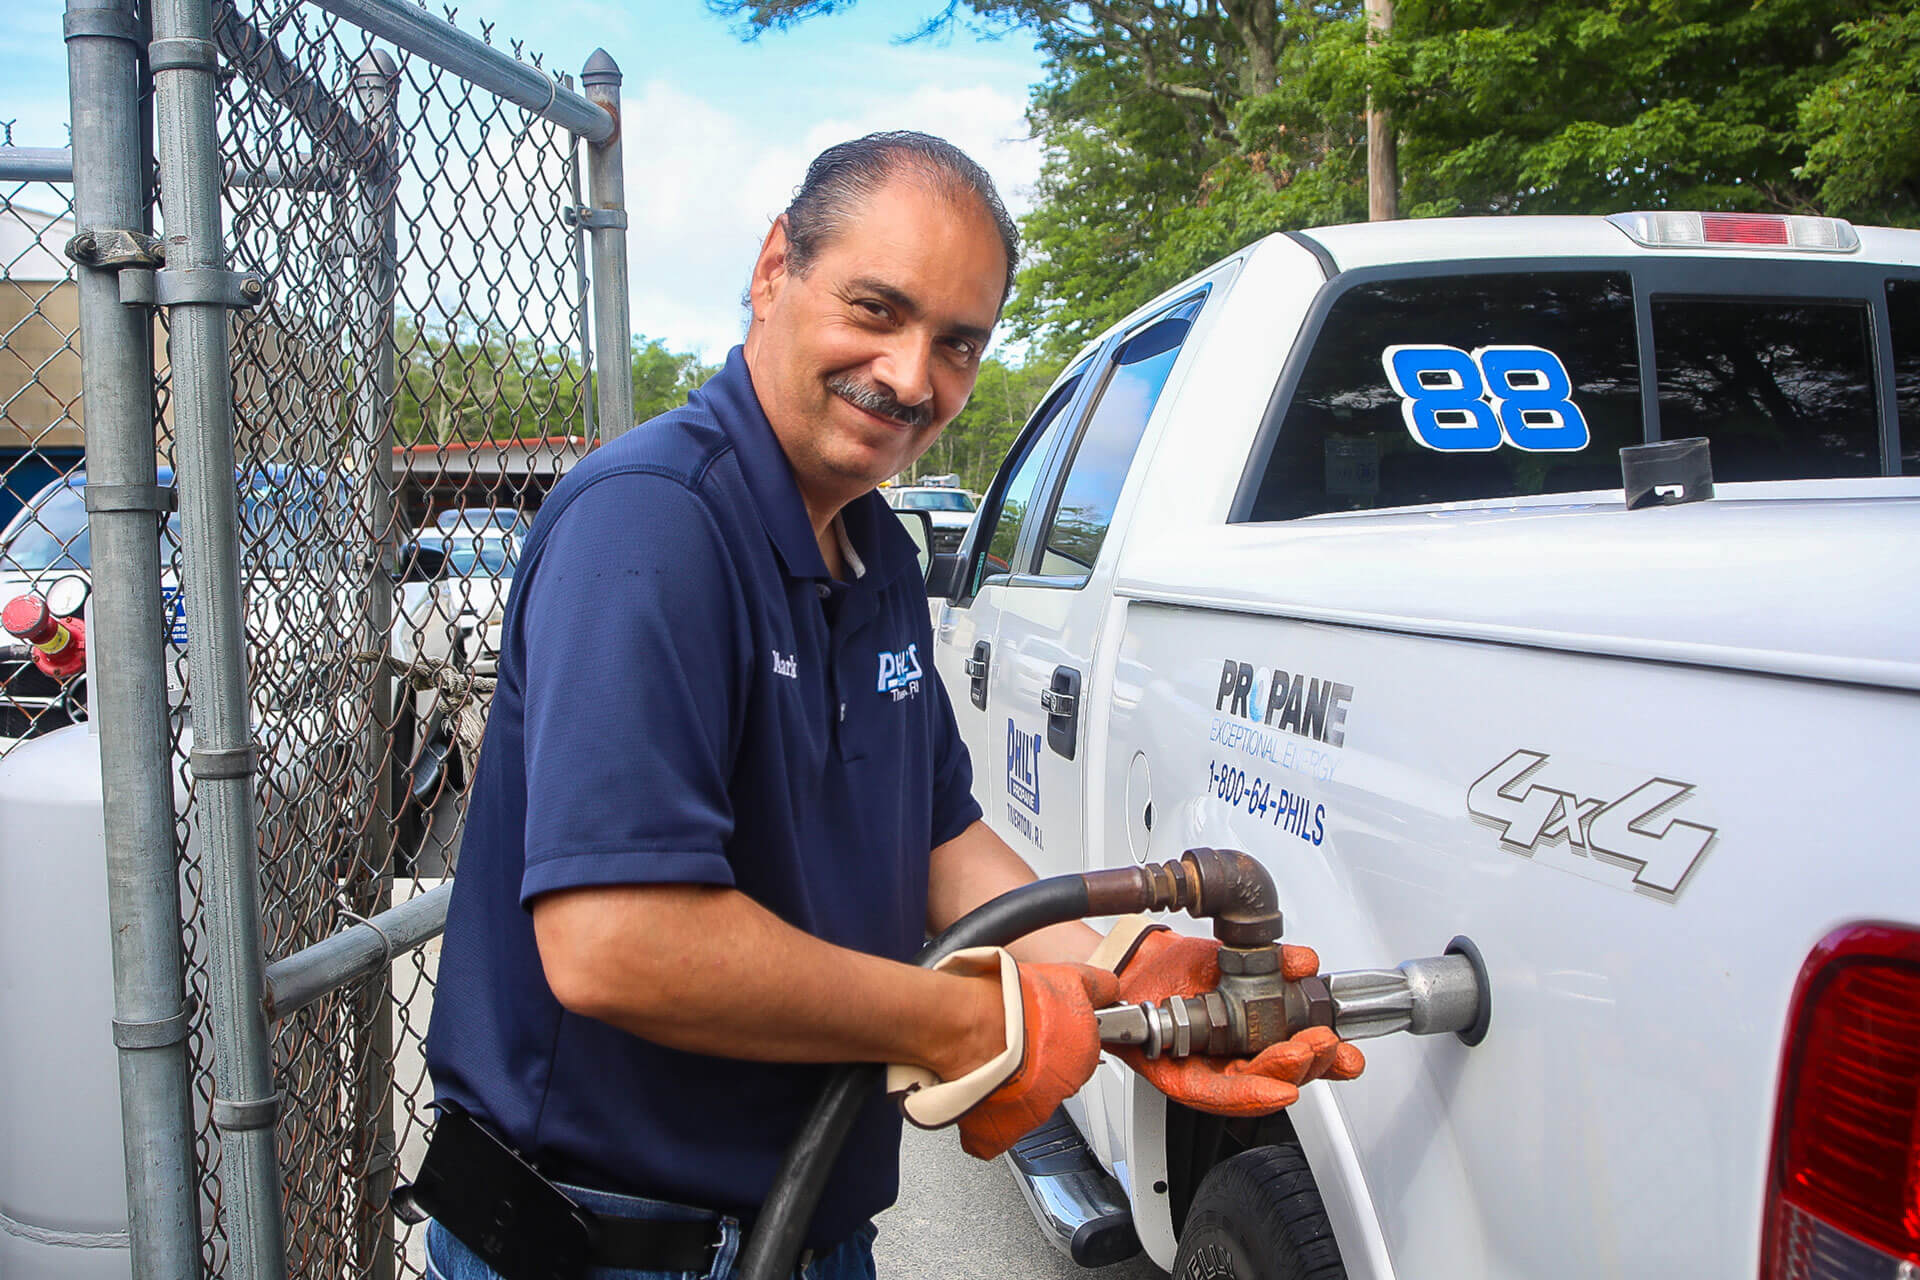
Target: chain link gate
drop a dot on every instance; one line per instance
(373, 279)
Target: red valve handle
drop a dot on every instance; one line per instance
(59, 644)
(28, 618)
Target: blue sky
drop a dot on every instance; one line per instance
(718, 131)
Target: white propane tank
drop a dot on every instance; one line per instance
(63, 1196)
(63, 1189)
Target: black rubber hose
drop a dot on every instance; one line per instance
(774, 1247)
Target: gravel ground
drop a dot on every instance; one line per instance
(960, 1219)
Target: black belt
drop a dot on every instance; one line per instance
(648, 1244)
(645, 1244)
(518, 1221)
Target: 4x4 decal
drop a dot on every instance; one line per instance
(1624, 830)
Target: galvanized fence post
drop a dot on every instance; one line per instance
(606, 221)
(377, 256)
(126, 508)
(199, 289)
(588, 418)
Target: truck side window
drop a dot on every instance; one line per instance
(1903, 309)
(1104, 452)
(1393, 409)
(1784, 390)
(1008, 508)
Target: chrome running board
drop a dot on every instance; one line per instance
(1081, 1210)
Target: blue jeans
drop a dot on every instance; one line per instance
(448, 1259)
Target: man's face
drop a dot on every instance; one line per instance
(861, 362)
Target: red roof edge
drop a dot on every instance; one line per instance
(516, 442)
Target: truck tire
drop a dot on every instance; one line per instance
(1258, 1216)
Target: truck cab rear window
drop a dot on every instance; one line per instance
(1443, 389)
(1783, 389)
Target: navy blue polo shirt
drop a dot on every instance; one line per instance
(686, 696)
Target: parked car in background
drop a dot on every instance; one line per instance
(302, 597)
(452, 596)
(507, 520)
(951, 509)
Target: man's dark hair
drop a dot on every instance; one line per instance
(845, 176)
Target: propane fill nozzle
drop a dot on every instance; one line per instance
(1254, 1008)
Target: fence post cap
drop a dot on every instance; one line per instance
(376, 62)
(601, 69)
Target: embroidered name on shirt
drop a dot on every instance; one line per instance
(788, 666)
(900, 672)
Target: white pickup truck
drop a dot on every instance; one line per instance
(1325, 555)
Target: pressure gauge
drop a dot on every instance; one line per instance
(67, 597)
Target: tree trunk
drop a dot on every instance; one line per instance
(1383, 152)
(1263, 75)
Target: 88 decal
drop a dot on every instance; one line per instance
(1458, 402)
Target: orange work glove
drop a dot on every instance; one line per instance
(1053, 1045)
(1155, 963)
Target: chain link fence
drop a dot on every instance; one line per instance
(414, 380)
(401, 365)
(43, 534)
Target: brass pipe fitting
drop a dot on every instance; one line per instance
(1223, 885)
(1254, 1007)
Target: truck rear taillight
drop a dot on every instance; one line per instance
(1843, 1200)
(1663, 230)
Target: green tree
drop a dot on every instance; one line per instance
(1174, 136)
(1513, 107)
(663, 379)
(461, 382)
(1154, 167)
(1179, 130)
(465, 382)
(1004, 397)
(1862, 125)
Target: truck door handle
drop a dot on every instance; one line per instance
(1061, 701)
(976, 668)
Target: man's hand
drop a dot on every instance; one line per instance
(1162, 964)
(1052, 1044)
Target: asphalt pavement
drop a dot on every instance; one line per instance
(961, 1219)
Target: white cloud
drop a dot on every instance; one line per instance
(703, 184)
(710, 160)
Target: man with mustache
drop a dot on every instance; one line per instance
(722, 796)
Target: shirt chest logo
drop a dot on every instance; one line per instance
(900, 673)
(787, 665)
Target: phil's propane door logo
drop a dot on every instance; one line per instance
(1023, 781)
(1602, 834)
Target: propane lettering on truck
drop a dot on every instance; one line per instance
(1621, 831)
(1256, 699)
(1289, 810)
(1306, 705)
